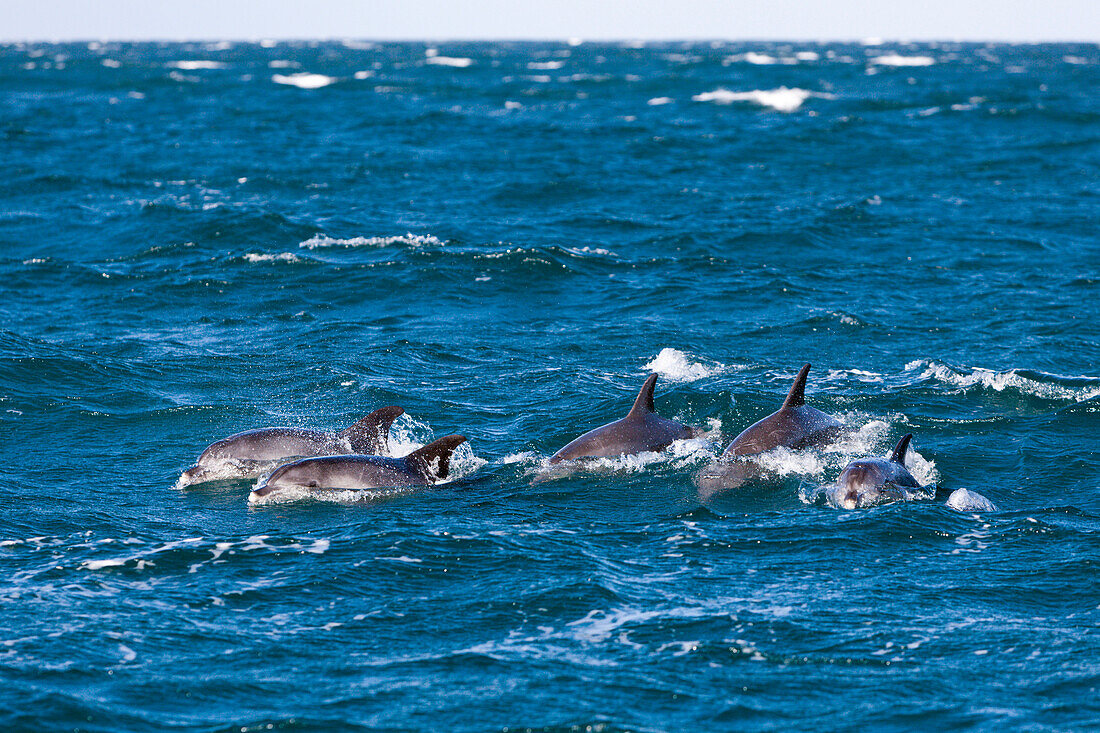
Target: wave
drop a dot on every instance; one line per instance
(782, 99)
(415, 240)
(196, 65)
(893, 59)
(1036, 384)
(458, 62)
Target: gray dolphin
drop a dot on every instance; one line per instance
(249, 454)
(870, 481)
(641, 430)
(794, 425)
(422, 467)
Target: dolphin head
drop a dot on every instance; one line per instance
(197, 474)
(861, 484)
(301, 475)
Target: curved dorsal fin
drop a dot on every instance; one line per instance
(797, 396)
(898, 456)
(643, 405)
(370, 435)
(433, 461)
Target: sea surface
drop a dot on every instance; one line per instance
(504, 239)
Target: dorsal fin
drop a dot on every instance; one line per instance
(898, 456)
(371, 434)
(797, 396)
(433, 461)
(643, 405)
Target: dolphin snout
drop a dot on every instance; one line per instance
(194, 475)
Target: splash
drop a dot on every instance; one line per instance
(678, 366)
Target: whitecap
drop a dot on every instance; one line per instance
(1000, 381)
(545, 65)
(197, 64)
(678, 366)
(893, 59)
(304, 80)
(751, 57)
(458, 62)
(264, 257)
(415, 240)
(657, 101)
(781, 99)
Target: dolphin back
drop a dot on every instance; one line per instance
(370, 435)
(433, 461)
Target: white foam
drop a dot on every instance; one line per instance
(1000, 381)
(965, 500)
(751, 57)
(681, 454)
(1075, 60)
(304, 80)
(677, 366)
(657, 101)
(282, 64)
(894, 59)
(100, 564)
(458, 62)
(111, 63)
(196, 65)
(365, 74)
(524, 457)
(415, 240)
(263, 257)
(807, 55)
(545, 65)
(509, 104)
(781, 99)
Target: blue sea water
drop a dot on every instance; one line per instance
(198, 239)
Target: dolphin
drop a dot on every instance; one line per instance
(794, 425)
(870, 481)
(422, 467)
(641, 430)
(249, 454)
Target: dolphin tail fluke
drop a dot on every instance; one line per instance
(898, 456)
(644, 404)
(370, 435)
(797, 396)
(433, 461)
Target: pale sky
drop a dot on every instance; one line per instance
(1012, 20)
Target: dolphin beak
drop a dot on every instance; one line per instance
(193, 475)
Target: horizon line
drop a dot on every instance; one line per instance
(869, 41)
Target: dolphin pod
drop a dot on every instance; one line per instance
(307, 461)
(251, 453)
(422, 467)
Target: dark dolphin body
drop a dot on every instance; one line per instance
(870, 481)
(249, 454)
(641, 430)
(422, 467)
(794, 425)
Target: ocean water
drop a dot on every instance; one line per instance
(198, 239)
